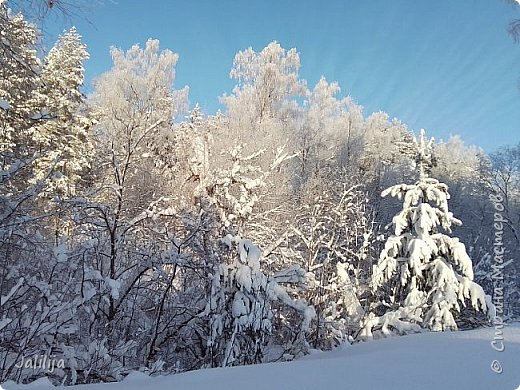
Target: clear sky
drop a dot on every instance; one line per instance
(448, 66)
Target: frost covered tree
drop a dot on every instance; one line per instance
(263, 106)
(128, 247)
(134, 102)
(266, 82)
(63, 128)
(382, 138)
(19, 80)
(239, 184)
(329, 240)
(45, 136)
(182, 156)
(39, 288)
(327, 133)
(42, 102)
(426, 276)
(505, 182)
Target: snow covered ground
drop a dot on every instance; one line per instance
(456, 360)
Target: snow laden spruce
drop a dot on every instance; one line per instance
(427, 275)
(239, 307)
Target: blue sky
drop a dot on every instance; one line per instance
(447, 65)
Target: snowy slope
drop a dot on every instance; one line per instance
(457, 360)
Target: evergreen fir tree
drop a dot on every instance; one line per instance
(64, 129)
(427, 275)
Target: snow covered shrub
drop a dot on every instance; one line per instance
(426, 277)
(239, 307)
(42, 312)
